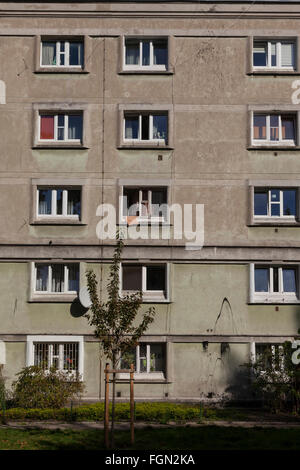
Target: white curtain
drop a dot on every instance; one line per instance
(57, 278)
(132, 53)
(49, 53)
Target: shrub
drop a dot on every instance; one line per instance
(37, 388)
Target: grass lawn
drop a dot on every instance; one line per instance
(183, 438)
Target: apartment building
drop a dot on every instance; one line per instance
(143, 105)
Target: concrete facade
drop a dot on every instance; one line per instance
(211, 319)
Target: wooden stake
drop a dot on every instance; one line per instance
(106, 407)
(131, 404)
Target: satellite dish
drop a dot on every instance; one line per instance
(84, 297)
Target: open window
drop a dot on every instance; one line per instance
(146, 127)
(144, 204)
(151, 280)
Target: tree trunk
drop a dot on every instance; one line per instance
(112, 435)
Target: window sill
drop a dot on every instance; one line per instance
(67, 70)
(145, 72)
(58, 298)
(274, 72)
(56, 145)
(54, 221)
(274, 223)
(274, 301)
(143, 146)
(273, 147)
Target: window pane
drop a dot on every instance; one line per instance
(273, 54)
(156, 278)
(146, 53)
(159, 203)
(157, 357)
(132, 52)
(41, 355)
(275, 280)
(145, 127)
(261, 203)
(274, 127)
(287, 54)
(275, 199)
(45, 199)
(74, 202)
(41, 277)
(160, 127)
(70, 356)
(261, 280)
(289, 202)
(288, 128)
(289, 279)
(57, 278)
(59, 201)
(260, 54)
(131, 127)
(160, 53)
(127, 359)
(48, 53)
(76, 53)
(132, 278)
(75, 126)
(259, 124)
(47, 127)
(143, 357)
(73, 277)
(131, 202)
(275, 210)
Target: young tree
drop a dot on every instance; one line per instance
(114, 320)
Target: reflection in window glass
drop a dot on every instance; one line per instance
(289, 279)
(289, 202)
(260, 203)
(261, 279)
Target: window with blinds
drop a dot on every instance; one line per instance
(271, 54)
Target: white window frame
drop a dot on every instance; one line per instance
(65, 127)
(139, 138)
(270, 296)
(278, 44)
(141, 218)
(148, 295)
(268, 142)
(159, 375)
(140, 66)
(61, 339)
(54, 214)
(59, 53)
(270, 203)
(49, 292)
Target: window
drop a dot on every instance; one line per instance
(149, 361)
(269, 356)
(61, 356)
(60, 127)
(146, 54)
(274, 54)
(56, 278)
(145, 127)
(144, 204)
(275, 202)
(64, 353)
(275, 283)
(274, 129)
(151, 280)
(58, 203)
(62, 53)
